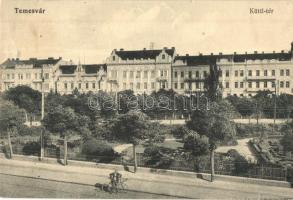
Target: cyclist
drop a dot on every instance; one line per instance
(115, 178)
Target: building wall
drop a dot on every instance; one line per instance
(142, 76)
(245, 79)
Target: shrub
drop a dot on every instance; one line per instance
(99, 150)
(157, 157)
(240, 163)
(31, 148)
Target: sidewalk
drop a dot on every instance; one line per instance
(187, 187)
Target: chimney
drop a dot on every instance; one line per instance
(212, 54)
(235, 52)
(282, 51)
(200, 54)
(245, 52)
(187, 55)
(50, 58)
(274, 52)
(60, 58)
(263, 52)
(173, 48)
(255, 52)
(165, 48)
(144, 49)
(220, 53)
(121, 49)
(17, 59)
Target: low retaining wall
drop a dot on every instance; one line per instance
(160, 171)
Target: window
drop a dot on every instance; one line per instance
(124, 86)
(220, 73)
(241, 95)
(46, 75)
(241, 84)
(250, 84)
(131, 74)
(175, 85)
(153, 74)
(189, 74)
(236, 84)
(182, 85)
(257, 72)
(281, 84)
(72, 85)
(161, 73)
(249, 72)
(165, 73)
(236, 73)
(113, 58)
(287, 84)
(265, 73)
(273, 84)
(145, 85)
(79, 85)
(8, 76)
(197, 74)
(265, 84)
(86, 85)
(93, 85)
(257, 84)
(65, 86)
(281, 72)
(138, 86)
(138, 74)
(12, 76)
(189, 86)
(175, 74)
(145, 74)
(227, 73)
(287, 72)
(163, 56)
(205, 74)
(182, 74)
(36, 76)
(27, 76)
(153, 85)
(197, 85)
(227, 84)
(273, 72)
(131, 86)
(114, 74)
(124, 74)
(241, 73)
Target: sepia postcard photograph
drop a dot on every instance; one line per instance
(146, 99)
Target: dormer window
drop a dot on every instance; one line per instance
(113, 58)
(163, 56)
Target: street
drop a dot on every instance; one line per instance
(16, 186)
(54, 180)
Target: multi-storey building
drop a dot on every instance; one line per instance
(33, 72)
(84, 78)
(142, 71)
(246, 74)
(190, 72)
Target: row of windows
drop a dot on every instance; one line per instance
(163, 57)
(79, 85)
(27, 76)
(197, 74)
(282, 84)
(257, 73)
(182, 85)
(139, 86)
(139, 74)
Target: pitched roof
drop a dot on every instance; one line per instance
(37, 63)
(94, 68)
(68, 69)
(143, 54)
(212, 59)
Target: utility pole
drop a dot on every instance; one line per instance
(275, 106)
(42, 116)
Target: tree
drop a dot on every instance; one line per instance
(11, 120)
(66, 123)
(197, 144)
(212, 86)
(287, 140)
(130, 128)
(26, 98)
(215, 124)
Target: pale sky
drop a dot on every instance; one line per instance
(89, 30)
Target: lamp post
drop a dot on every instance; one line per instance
(42, 116)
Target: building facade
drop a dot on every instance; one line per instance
(145, 71)
(142, 71)
(33, 73)
(84, 78)
(246, 74)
